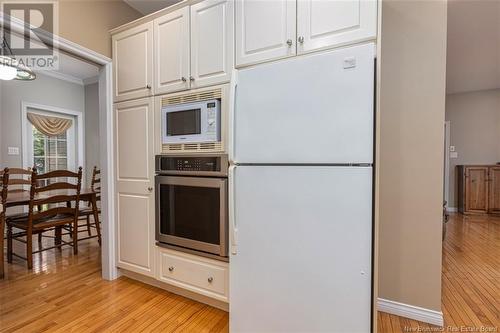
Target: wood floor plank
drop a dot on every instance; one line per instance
(65, 293)
(471, 279)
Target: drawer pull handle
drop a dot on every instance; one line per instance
(210, 279)
(171, 269)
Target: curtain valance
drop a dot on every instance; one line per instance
(50, 126)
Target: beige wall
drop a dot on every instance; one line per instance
(87, 22)
(412, 110)
(475, 130)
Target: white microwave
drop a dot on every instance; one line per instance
(191, 122)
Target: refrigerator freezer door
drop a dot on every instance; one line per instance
(303, 261)
(312, 109)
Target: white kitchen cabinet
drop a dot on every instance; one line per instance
(133, 62)
(268, 30)
(204, 276)
(326, 23)
(135, 200)
(171, 52)
(211, 42)
(265, 30)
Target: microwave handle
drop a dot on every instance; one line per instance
(232, 113)
(233, 228)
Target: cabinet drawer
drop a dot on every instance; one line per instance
(193, 273)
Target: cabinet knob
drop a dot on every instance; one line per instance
(183, 79)
(210, 279)
(150, 189)
(148, 86)
(301, 39)
(171, 269)
(289, 42)
(191, 78)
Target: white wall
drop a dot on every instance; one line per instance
(91, 128)
(475, 130)
(44, 90)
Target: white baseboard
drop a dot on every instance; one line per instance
(452, 209)
(409, 311)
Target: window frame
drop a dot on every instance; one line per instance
(75, 135)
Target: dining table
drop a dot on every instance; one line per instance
(22, 198)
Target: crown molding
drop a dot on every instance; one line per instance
(91, 80)
(61, 76)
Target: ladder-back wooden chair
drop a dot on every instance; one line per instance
(86, 212)
(18, 180)
(3, 199)
(63, 187)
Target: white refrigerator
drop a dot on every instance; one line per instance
(301, 194)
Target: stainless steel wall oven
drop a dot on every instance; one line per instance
(192, 203)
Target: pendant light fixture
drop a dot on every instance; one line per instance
(10, 68)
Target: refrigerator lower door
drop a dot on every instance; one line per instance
(303, 249)
(311, 109)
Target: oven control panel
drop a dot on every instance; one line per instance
(216, 164)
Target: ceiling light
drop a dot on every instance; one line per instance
(11, 69)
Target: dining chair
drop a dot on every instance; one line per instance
(87, 211)
(54, 210)
(18, 180)
(3, 207)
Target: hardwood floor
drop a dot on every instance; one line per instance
(471, 279)
(65, 293)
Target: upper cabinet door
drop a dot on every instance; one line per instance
(211, 42)
(172, 51)
(265, 30)
(133, 62)
(326, 23)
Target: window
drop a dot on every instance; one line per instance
(49, 153)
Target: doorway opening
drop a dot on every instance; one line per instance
(470, 297)
(80, 93)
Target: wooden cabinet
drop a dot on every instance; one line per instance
(211, 42)
(325, 23)
(265, 30)
(133, 62)
(135, 203)
(494, 189)
(478, 189)
(171, 51)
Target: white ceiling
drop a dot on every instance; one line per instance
(73, 70)
(146, 7)
(473, 52)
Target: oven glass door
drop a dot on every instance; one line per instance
(191, 212)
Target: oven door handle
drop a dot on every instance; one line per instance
(233, 229)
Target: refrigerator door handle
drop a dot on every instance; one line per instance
(233, 229)
(231, 116)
